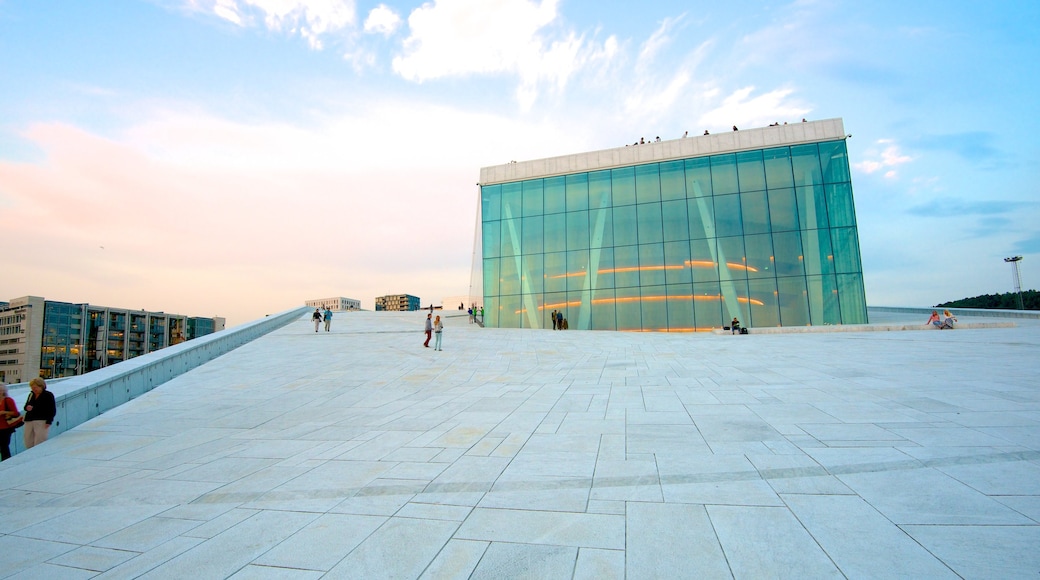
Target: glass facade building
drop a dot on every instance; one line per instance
(766, 234)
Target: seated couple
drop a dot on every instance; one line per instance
(946, 321)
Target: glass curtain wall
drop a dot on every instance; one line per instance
(765, 236)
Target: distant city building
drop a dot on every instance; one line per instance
(45, 338)
(397, 302)
(680, 235)
(338, 304)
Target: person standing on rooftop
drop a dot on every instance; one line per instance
(316, 317)
(438, 330)
(328, 319)
(39, 413)
(9, 411)
(429, 330)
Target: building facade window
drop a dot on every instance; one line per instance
(767, 236)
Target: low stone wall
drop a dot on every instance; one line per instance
(81, 398)
(866, 328)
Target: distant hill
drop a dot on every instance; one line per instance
(1006, 301)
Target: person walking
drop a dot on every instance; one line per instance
(39, 413)
(553, 315)
(438, 330)
(328, 319)
(8, 411)
(429, 329)
(316, 318)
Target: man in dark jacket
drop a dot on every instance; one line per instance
(39, 413)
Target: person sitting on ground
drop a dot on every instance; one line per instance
(933, 320)
(734, 326)
(948, 320)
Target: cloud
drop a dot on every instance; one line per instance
(741, 109)
(382, 20)
(889, 158)
(311, 19)
(458, 38)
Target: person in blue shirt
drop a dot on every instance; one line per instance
(328, 319)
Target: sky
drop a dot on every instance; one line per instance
(237, 157)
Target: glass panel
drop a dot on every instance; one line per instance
(491, 311)
(673, 180)
(806, 162)
(750, 171)
(778, 168)
(651, 264)
(532, 234)
(578, 310)
(677, 259)
(627, 309)
(845, 243)
(733, 278)
(533, 281)
(787, 254)
(812, 207)
(492, 232)
(840, 210)
(533, 197)
(555, 232)
(698, 177)
(783, 213)
(509, 312)
(577, 230)
(680, 307)
(816, 248)
(765, 311)
(727, 216)
(625, 226)
(511, 236)
(850, 295)
(578, 192)
(491, 202)
(704, 266)
(755, 211)
(555, 195)
(794, 301)
(623, 186)
(577, 269)
(603, 310)
(510, 279)
(759, 252)
(723, 174)
(512, 200)
(654, 308)
(601, 228)
(701, 212)
(676, 223)
(626, 266)
(555, 275)
(491, 276)
(602, 264)
(599, 189)
(649, 228)
(834, 161)
(648, 184)
(823, 300)
(707, 305)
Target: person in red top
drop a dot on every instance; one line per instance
(8, 410)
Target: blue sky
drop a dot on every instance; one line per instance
(236, 157)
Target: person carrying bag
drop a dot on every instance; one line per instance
(10, 419)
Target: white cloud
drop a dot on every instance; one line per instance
(453, 38)
(311, 19)
(741, 109)
(382, 20)
(888, 158)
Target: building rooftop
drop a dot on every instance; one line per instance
(537, 453)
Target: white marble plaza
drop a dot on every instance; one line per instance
(540, 454)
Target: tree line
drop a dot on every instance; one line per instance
(1005, 301)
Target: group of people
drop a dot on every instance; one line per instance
(474, 312)
(435, 327)
(40, 410)
(946, 321)
(558, 321)
(643, 141)
(320, 316)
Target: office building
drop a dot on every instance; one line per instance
(397, 302)
(337, 304)
(47, 338)
(680, 235)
